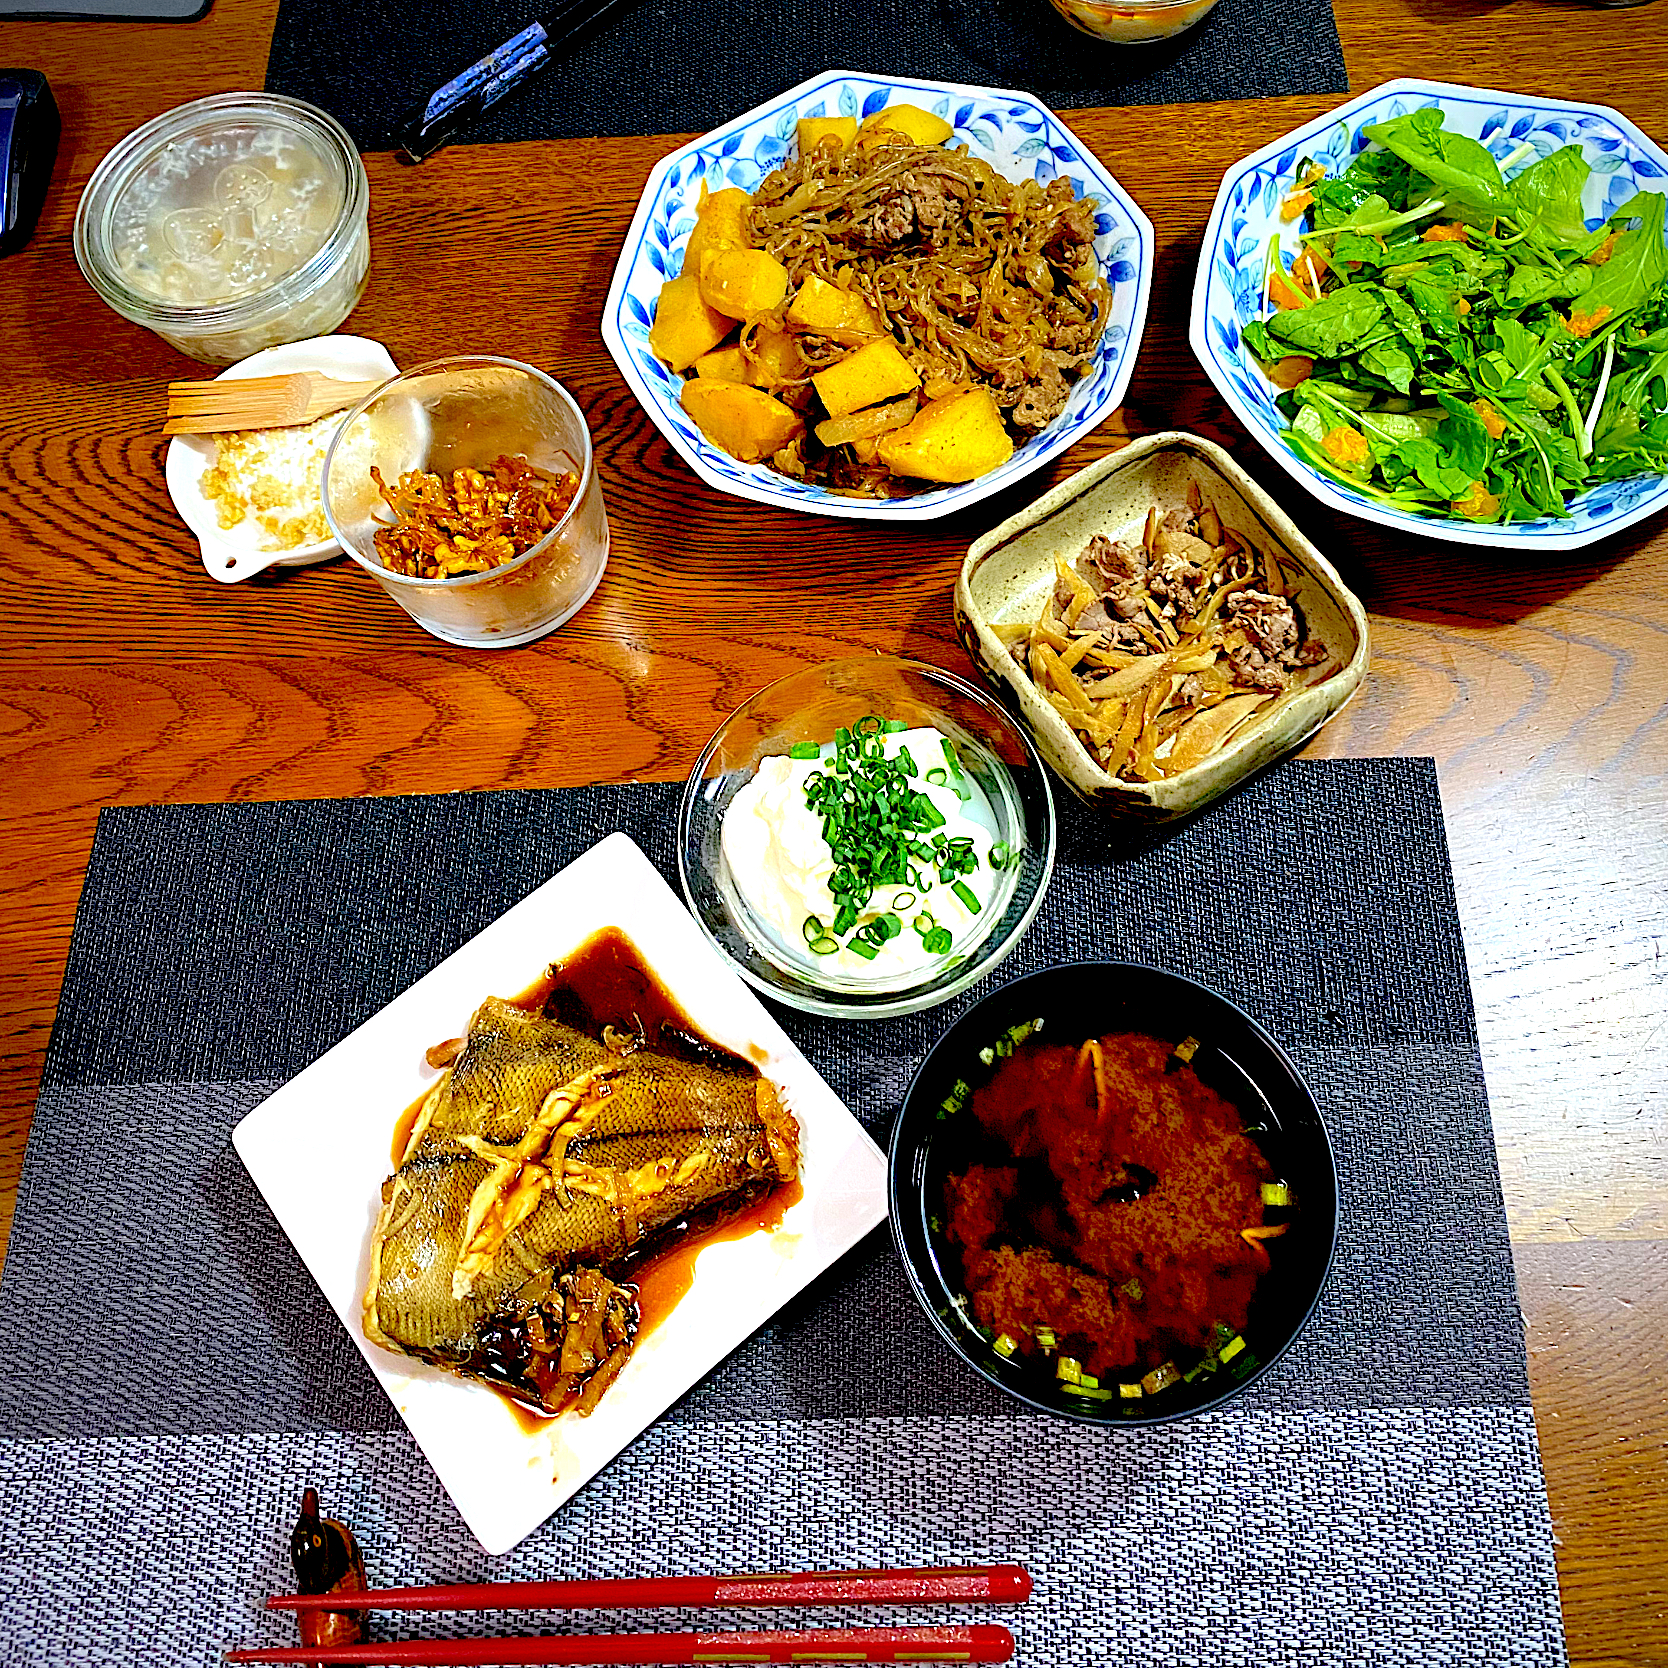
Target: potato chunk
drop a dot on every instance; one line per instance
(919, 126)
(954, 439)
(820, 305)
(725, 364)
(684, 326)
(865, 376)
(741, 283)
(813, 129)
(745, 422)
(720, 223)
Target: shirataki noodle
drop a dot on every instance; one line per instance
(982, 281)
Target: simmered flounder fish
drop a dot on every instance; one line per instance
(540, 1160)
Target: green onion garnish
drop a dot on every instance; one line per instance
(1002, 855)
(965, 892)
(1276, 1193)
(862, 947)
(1068, 1368)
(813, 928)
(1005, 1345)
(938, 776)
(1130, 1392)
(937, 942)
(805, 750)
(1230, 1349)
(1089, 1392)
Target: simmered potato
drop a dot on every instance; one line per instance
(742, 283)
(720, 223)
(684, 326)
(954, 439)
(919, 126)
(745, 422)
(819, 305)
(813, 129)
(864, 377)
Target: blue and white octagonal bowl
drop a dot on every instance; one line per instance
(1018, 137)
(1227, 290)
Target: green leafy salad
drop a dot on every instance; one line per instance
(1458, 345)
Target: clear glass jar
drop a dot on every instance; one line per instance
(1132, 22)
(229, 225)
(465, 413)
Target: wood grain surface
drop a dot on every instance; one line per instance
(126, 675)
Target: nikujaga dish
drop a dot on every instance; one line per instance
(883, 313)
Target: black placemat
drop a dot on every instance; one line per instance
(686, 67)
(169, 1375)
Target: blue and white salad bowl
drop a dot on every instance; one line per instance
(1018, 137)
(1227, 293)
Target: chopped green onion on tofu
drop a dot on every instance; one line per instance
(1230, 1349)
(1006, 1344)
(1276, 1193)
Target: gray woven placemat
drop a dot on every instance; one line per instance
(685, 68)
(169, 1377)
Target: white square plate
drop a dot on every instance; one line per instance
(318, 1150)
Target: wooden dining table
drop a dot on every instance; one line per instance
(1539, 683)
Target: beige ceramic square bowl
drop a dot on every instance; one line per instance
(1008, 575)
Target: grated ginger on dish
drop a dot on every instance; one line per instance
(272, 477)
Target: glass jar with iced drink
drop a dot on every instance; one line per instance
(468, 489)
(229, 225)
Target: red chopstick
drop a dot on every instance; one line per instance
(993, 1583)
(982, 1643)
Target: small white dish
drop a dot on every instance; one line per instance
(234, 553)
(1019, 137)
(318, 1150)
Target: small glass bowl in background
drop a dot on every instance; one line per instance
(465, 413)
(1132, 22)
(810, 706)
(278, 176)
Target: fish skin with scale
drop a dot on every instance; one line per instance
(666, 1136)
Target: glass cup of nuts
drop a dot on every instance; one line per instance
(468, 489)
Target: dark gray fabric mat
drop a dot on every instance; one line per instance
(686, 67)
(1377, 1496)
(218, 949)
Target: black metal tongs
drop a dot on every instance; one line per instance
(468, 95)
